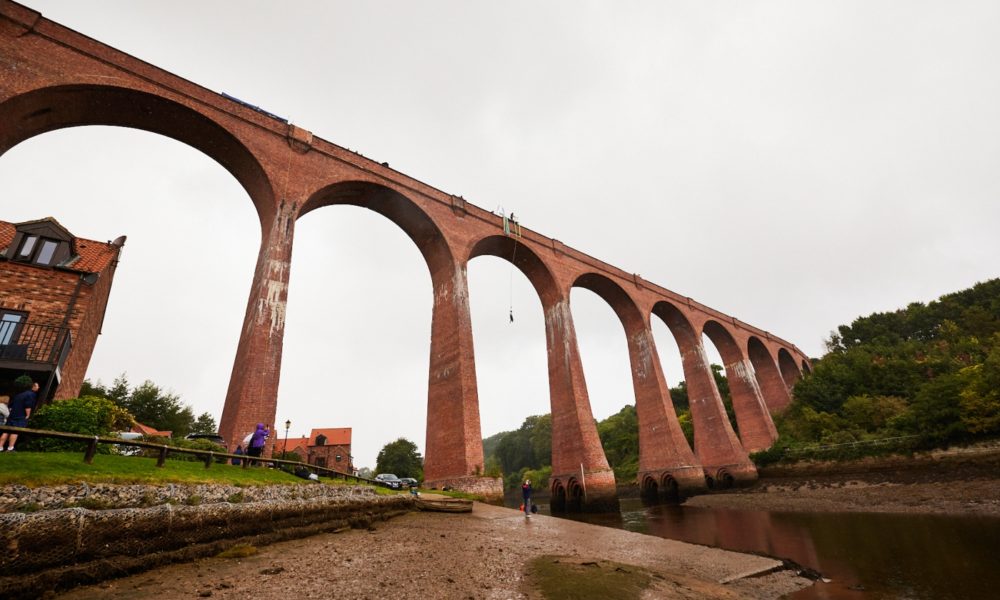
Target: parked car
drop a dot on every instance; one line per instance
(390, 480)
(409, 482)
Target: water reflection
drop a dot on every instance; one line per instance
(864, 555)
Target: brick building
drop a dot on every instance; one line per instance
(330, 448)
(54, 290)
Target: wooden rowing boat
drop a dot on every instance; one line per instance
(453, 505)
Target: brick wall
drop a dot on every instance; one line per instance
(45, 293)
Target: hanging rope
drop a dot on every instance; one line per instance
(513, 258)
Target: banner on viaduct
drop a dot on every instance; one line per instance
(52, 77)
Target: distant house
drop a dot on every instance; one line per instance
(330, 448)
(148, 431)
(54, 289)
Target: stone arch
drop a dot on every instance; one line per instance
(806, 367)
(48, 109)
(663, 450)
(396, 207)
(525, 259)
(715, 442)
(453, 453)
(616, 297)
(768, 376)
(789, 370)
(558, 499)
(756, 429)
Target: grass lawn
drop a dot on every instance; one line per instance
(35, 469)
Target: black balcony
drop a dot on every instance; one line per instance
(27, 345)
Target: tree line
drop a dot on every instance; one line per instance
(927, 375)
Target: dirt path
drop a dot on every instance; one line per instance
(480, 555)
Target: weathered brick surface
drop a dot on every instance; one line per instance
(46, 295)
(51, 77)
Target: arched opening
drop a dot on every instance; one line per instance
(789, 370)
(603, 351)
(575, 495)
(673, 372)
(506, 283)
(669, 343)
(649, 489)
(806, 367)
(60, 107)
(360, 306)
(721, 350)
(179, 293)
(511, 371)
(671, 490)
(605, 318)
(741, 394)
(772, 386)
(558, 500)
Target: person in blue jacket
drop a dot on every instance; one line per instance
(21, 406)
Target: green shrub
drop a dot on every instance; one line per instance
(89, 415)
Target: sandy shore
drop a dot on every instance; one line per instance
(940, 483)
(481, 555)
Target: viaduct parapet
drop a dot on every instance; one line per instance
(52, 77)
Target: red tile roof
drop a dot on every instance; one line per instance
(336, 436)
(91, 256)
(297, 445)
(147, 431)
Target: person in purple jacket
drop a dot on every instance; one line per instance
(257, 441)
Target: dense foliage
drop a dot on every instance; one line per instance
(152, 406)
(89, 415)
(526, 453)
(928, 372)
(923, 376)
(401, 458)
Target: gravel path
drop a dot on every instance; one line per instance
(480, 555)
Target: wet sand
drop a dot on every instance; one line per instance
(940, 483)
(481, 555)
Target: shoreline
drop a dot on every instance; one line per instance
(941, 483)
(483, 555)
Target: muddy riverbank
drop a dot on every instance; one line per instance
(950, 483)
(481, 555)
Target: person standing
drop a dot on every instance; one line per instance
(21, 406)
(257, 442)
(239, 452)
(4, 409)
(526, 492)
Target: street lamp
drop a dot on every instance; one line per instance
(287, 425)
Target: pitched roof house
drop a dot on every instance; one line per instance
(54, 289)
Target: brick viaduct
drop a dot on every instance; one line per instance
(52, 77)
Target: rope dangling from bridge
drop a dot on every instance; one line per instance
(511, 228)
(511, 282)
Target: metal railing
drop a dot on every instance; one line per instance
(207, 456)
(30, 342)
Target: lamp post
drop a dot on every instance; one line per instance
(287, 425)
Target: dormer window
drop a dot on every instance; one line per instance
(37, 249)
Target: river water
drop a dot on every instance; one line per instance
(864, 555)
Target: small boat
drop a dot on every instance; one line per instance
(452, 505)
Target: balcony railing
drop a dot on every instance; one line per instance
(31, 343)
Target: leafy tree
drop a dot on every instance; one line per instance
(152, 406)
(205, 423)
(400, 457)
(620, 437)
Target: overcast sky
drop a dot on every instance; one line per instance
(794, 164)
